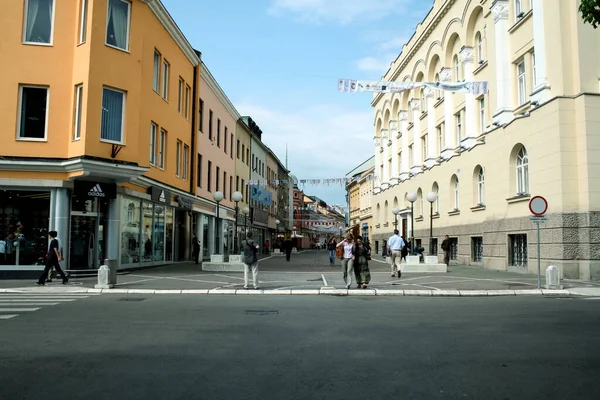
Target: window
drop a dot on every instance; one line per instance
(225, 185)
(533, 68)
(456, 68)
(423, 101)
(436, 205)
(482, 115)
(440, 141)
(411, 161)
(180, 98)
(113, 115)
(186, 156)
(39, 18)
(481, 187)
(217, 179)
(237, 183)
(477, 248)
(438, 92)
(455, 189)
(156, 72)
(479, 47)
(161, 149)
(117, 25)
(199, 170)
(178, 159)
(454, 249)
(231, 146)
(153, 130)
(188, 90)
(243, 153)
(458, 129)
(248, 156)
(218, 133)
(519, 8)
(521, 82)
(78, 111)
(209, 177)
(238, 150)
(522, 172)
(225, 141)
(231, 188)
(518, 250)
(165, 80)
(210, 125)
(424, 146)
(33, 112)
(83, 21)
(201, 116)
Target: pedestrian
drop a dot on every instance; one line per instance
(52, 271)
(331, 247)
(404, 251)
(361, 254)
(52, 260)
(267, 246)
(384, 252)
(250, 250)
(288, 248)
(347, 262)
(195, 249)
(395, 245)
(446, 246)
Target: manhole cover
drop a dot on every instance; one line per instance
(131, 299)
(262, 312)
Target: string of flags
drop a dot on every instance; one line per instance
(326, 181)
(355, 85)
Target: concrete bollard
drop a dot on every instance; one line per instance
(103, 278)
(553, 278)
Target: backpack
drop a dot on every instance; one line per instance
(339, 252)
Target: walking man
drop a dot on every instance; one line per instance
(60, 258)
(395, 246)
(195, 249)
(250, 249)
(446, 247)
(288, 248)
(52, 260)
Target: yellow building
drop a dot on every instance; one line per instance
(360, 197)
(482, 158)
(242, 171)
(99, 124)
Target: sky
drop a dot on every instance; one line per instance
(278, 61)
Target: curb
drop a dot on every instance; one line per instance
(326, 291)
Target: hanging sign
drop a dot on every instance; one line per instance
(354, 85)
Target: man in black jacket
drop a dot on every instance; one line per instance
(446, 246)
(250, 249)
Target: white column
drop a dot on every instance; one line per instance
(470, 123)
(417, 150)
(450, 145)
(431, 139)
(385, 183)
(504, 85)
(541, 89)
(377, 181)
(394, 178)
(404, 167)
(61, 223)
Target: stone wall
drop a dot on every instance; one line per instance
(570, 241)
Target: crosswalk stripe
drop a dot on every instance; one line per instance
(27, 304)
(18, 309)
(16, 300)
(8, 316)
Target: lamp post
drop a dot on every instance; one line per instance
(431, 198)
(277, 222)
(237, 197)
(412, 197)
(218, 197)
(395, 211)
(246, 211)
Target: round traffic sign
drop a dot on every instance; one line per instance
(538, 206)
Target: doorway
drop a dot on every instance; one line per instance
(85, 241)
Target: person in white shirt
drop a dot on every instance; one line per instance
(395, 245)
(347, 262)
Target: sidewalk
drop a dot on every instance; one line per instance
(309, 272)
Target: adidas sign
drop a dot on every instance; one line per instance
(161, 198)
(96, 191)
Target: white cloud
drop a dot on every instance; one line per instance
(375, 64)
(324, 141)
(342, 11)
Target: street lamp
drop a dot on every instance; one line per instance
(237, 197)
(431, 198)
(218, 197)
(395, 211)
(246, 211)
(277, 222)
(412, 197)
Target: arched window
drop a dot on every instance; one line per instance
(438, 92)
(456, 69)
(455, 192)
(481, 187)
(479, 47)
(436, 206)
(423, 100)
(522, 172)
(420, 202)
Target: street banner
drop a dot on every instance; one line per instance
(355, 85)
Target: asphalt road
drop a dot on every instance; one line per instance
(302, 347)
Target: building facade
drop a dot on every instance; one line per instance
(242, 173)
(98, 133)
(483, 157)
(359, 190)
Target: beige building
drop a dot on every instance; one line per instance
(535, 133)
(360, 198)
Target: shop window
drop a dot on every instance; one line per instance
(158, 233)
(454, 249)
(477, 248)
(130, 231)
(169, 234)
(147, 234)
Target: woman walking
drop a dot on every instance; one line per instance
(347, 262)
(361, 253)
(331, 247)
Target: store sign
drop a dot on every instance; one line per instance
(95, 190)
(160, 195)
(185, 202)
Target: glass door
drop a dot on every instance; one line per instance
(159, 233)
(84, 241)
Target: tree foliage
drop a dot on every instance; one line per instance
(590, 12)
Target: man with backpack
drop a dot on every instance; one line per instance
(250, 249)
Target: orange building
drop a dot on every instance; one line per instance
(100, 120)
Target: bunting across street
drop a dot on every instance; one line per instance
(355, 85)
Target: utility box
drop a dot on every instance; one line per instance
(553, 278)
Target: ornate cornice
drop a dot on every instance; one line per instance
(403, 115)
(499, 10)
(445, 74)
(466, 54)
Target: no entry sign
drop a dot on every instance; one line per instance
(538, 206)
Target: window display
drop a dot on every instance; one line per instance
(159, 233)
(24, 217)
(130, 231)
(147, 216)
(169, 234)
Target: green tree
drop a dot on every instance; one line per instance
(590, 11)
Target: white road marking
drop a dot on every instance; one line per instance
(18, 309)
(324, 280)
(17, 300)
(28, 304)
(591, 298)
(8, 316)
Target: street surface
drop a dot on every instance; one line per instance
(180, 347)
